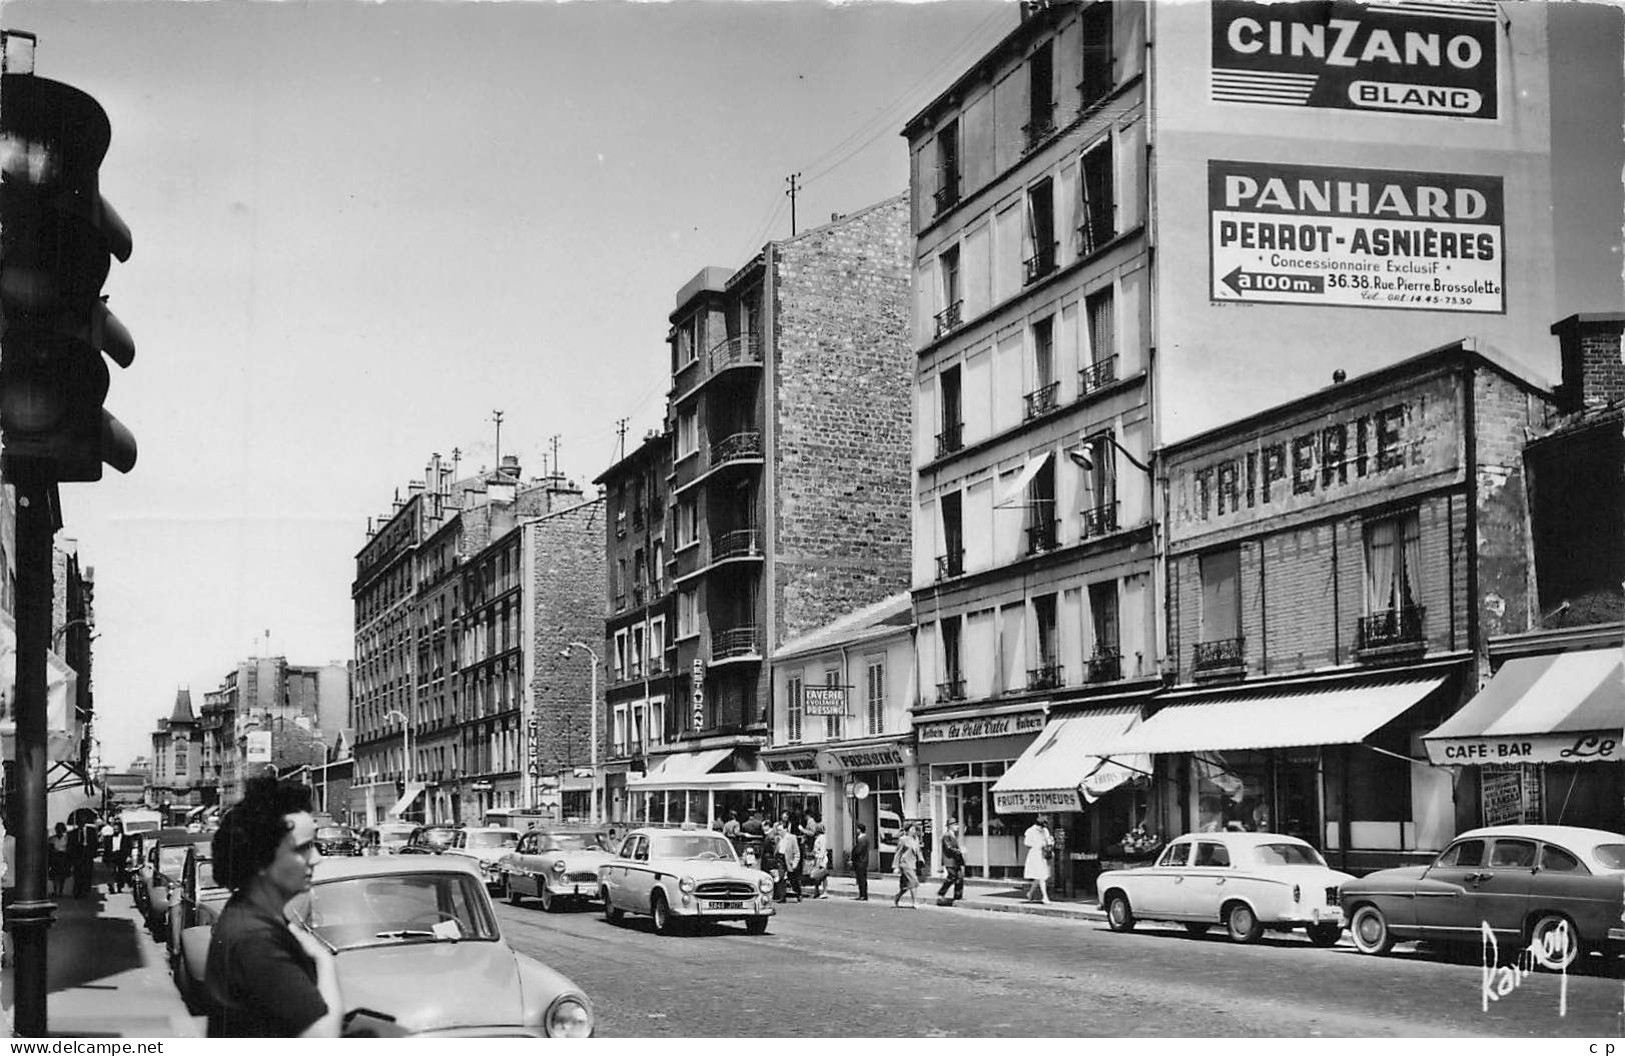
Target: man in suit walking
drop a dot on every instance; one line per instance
(860, 861)
(953, 860)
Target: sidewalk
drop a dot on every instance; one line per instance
(988, 896)
(106, 977)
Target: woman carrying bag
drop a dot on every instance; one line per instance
(1040, 853)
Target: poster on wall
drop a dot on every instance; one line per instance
(1352, 237)
(1510, 795)
(1426, 59)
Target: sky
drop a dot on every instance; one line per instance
(361, 228)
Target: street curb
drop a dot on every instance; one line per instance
(1061, 912)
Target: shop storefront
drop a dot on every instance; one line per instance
(962, 758)
(1542, 742)
(872, 781)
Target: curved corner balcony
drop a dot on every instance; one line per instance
(741, 350)
(737, 644)
(741, 449)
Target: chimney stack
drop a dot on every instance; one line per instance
(1593, 370)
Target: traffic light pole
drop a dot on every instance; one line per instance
(29, 917)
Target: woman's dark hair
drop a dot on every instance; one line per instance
(251, 832)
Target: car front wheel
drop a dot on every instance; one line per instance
(1242, 923)
(514, 897)
(661, 913)
(611, 913)
(1554, 942)
(1369, 930)
(546, 893)
(1119, 917)
(1324, 934)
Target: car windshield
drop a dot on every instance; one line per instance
(1287, 854)
(708, 847)
(334, 832)
(1610, 855)
(438, 838)
(387, 836)
(486, 839)
(405, 908)
(572, 841)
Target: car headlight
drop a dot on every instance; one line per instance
(568, 1017)
(558, 867)
(765, 885)
(686, 885)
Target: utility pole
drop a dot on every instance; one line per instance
(793, 180)
(620, 430)
(555, 439)
(496, 416)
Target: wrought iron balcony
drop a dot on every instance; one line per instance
(1220, 655)
(1039, 264)
(746, 444)
(1102, 520)
(1043, 400)
(1097, 375)
(1037, 130)
(953, 689)
(949, 317)
(737, 351)
(1097, 229)
(1105, 666)
(1043, 536)
(1049, 676)
(951, 439)
(736, 642)
(1401, 626)
(951, 564)
(946, 197)
(741, 542)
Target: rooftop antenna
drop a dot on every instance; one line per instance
(795, 186)
(555, 439)
(620, 428)
(496, 416)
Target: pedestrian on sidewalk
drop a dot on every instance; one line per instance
(118, 858)
(266, 977)
(953, 860)
(860, 861)
(83, 852)
(790, 855)
(1040, 853)
(59, 860)
(818, 870)
(908, 866)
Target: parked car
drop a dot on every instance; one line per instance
(337, 841)
(163, 857)
(485, 847)
(430, 839)
(416, 938)
(1554, 888)
(554, 864)
(1246, 881)
(683, 874)
(387, 838)
(196, 901)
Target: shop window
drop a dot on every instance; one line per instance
(1231, 792)
(1379, 786)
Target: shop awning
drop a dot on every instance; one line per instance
(736, 781)
(1051, 774)
(1283, 717)
(1562, 708)
(413, 791)
(688, 764)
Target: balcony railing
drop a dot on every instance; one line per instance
(947, 196)
(949, 317)
(739, 445)
(1037, 130)
(1043, 536)
(1105, 666)
(951, 564)
(736, 642)
(1046, 677)
(1043, 400)
(739, 350)
(1039, 264)
(1102, 520)
(1401, 626)
(953, 689)
(951, 439)
(741, 542)
(1221, 654)
(1097, 375)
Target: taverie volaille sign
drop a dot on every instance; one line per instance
(1401, 436)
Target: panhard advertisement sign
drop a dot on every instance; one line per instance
(1358, 238)
(1428, 59)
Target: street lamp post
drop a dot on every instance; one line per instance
(592, 736)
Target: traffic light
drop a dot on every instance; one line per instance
(57, 236)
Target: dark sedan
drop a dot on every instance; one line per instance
(338, 841)
(1554, 890)
(430, 839)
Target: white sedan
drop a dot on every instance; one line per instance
(1246, 881)
(684, 875)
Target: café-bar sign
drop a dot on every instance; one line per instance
(1586, 747)
(983, 726)
(1425, 59)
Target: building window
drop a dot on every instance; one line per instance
(1220, 644)
(1045, 395)
(688, 613)
(952, 437)
(1105, 662)
(1040, 95)
(657, 568)
(947, 192)
(1047, 672)
(637, 652)
(1042, 528)
(1097, 214)
(951, 314)
(1098, 76)
(620, 582)
(657, 645)
(1100, 488)
(953, 673)
(952, 561)
(792, 709)
(1393, 560)
(687, 526)
(657, 720)
(1040, 231)
(832, 723)
(1101, 309)
(688, 343)
(688, 433)
(876, 695)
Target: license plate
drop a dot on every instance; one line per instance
(721, 907)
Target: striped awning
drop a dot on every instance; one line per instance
(1056, 770)
(1562, 708)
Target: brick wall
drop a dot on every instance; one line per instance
(844, 411)
(1593, 368)
(1503, 413)
(567, 599)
